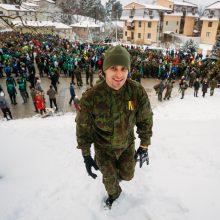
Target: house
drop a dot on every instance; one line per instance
(210, 23)
(181, 20)
(86, 29)
(29, 10)
(15, 13)
(45, 27)
(150, 23)
(142, 22)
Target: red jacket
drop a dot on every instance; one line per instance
(40, 101)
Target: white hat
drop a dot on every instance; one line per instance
(2, 94)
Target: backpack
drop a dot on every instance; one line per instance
(21, 87)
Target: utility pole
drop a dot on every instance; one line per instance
(116, 26)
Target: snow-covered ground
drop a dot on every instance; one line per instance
(43, 175)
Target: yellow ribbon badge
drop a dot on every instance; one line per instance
(131, 105)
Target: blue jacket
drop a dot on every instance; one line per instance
(72, 91)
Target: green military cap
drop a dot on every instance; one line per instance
(116, 56)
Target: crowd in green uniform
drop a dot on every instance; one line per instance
(56, 57)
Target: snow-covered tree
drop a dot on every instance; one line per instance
(113, 10)
(216, 47)
(89, 8)
(190, 47)
(116, 10)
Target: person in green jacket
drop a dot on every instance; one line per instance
(12, 93)
(109, 111)
(22, 89)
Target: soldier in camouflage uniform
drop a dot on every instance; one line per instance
(109, 112)
(169, 87)
(213, 84)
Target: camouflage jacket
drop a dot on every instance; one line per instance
(107, 117)
(213, 83)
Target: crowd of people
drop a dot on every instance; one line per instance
(167, 87)
(26, 58)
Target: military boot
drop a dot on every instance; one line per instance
(109, 201)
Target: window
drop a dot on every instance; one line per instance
(1, 12)
(176, 31)
(17, 13)
(149, 36)
(209, 24)
(139, 23)
(166, 23)
(125, 33)
(149, 24)
(177, 23)
(208, 34)
(139, 35)
(25, 13)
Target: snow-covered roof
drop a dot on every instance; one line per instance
(179, 14)
(157, 7)
(33, 23)
(5, 30)
(57, 25)
(84, 24)
(29, 4)
(209, 19)
(50, 1)
(215, 5)
(168, 32)
(151, 6)
(10, 7)
(185, 4)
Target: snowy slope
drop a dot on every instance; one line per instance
(43, 175)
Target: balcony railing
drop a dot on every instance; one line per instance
(130, 28)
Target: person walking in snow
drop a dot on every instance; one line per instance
(196, 86)
(4, 106)
(108, 114)
(183, 87)
(204, 88)
(72, 93)
(40, 102)
(33, 93)
(52, 97)
(22, 89)
(78, 77)
(169, 88)
(12, 93)
(161, 88)
(213, 84)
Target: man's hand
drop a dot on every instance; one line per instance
(141, 155)
(89, 163)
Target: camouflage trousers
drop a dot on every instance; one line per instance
(115, 167)
(167, 95)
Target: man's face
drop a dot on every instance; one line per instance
(116, 76)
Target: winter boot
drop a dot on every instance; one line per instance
(109, 201)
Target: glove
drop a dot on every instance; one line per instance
(141, 155)
(89, 163)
